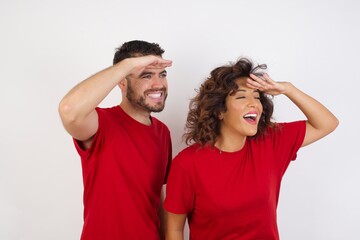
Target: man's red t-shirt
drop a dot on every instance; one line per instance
(123, 173)
(233, 195)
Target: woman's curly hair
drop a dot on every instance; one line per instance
(203, 123)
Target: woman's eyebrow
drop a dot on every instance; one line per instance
(244, 90)
(240, 90)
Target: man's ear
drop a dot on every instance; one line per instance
(122, 84)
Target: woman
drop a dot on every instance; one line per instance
(227, 182)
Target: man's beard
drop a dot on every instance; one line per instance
(140, 101)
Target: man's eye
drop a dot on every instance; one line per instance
(147, 76)
(241, 97)
(163, 75)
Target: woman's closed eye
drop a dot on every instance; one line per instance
(243, 97)
(240, 97)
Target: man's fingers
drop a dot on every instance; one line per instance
(158, 65)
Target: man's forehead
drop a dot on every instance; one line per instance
(153, 70)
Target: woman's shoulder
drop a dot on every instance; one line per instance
(192, 152)
(284, 126)
(195, 149)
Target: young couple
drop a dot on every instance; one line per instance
(226, 183)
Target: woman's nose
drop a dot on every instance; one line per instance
(252, 102)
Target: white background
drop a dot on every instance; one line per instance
(46, 47)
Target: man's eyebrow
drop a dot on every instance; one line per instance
(146, 73)
(151, 73)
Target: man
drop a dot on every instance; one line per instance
(125, 152)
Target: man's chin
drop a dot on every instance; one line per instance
(156, 108)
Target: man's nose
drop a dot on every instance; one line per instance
(158, 81)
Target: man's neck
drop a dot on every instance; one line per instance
(137, 114)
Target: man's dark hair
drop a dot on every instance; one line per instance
(136, 48)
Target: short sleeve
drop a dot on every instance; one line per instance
(288, 138)
(169, 160)
(180, 194)
(102, 118)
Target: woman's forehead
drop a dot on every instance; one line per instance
(241, 82)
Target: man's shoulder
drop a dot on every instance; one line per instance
(108, 109)
(158, 123)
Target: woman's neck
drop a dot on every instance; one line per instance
(230, 143)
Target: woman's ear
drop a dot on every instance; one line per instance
(221, 116)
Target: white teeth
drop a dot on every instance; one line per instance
(154, 95)
(252, 115)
